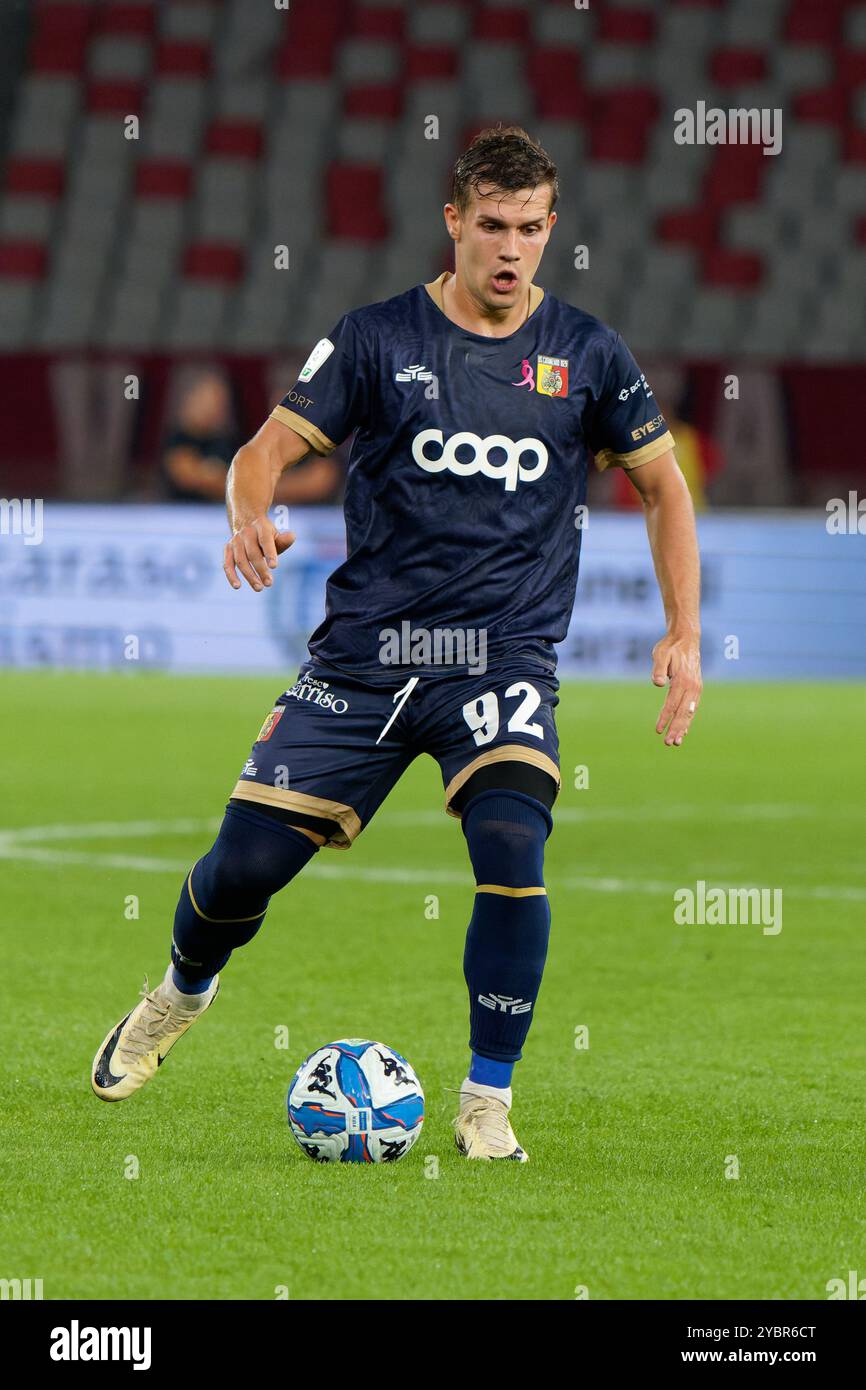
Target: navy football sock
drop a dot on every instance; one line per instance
(506, 943)
(224, 900)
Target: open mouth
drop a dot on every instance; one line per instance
(504, 281)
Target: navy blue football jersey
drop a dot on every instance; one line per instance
(467, 470)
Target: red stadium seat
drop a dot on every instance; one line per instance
(23, 260)
(692, 226)
(355, 202)
(830, 104)
(311, 36)
(620, 123)
(626, 26)
(375, 22)
(39, 176)
(59, 40)
(116, 98)
(428, 63)
(736, 175)
(182, 59)
(731, 67)
(235, 139)
(814, 23)
(501, 26)
(382, 99)
(855, 146)
(637, 104)
(125, 19)
(619, 142)
(163, 178)
(736, 270)
(206, 261)
(555, 75)
(851, 67)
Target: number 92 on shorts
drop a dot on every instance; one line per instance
(333, 746)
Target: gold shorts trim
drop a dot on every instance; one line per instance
(504, 753)
(347, 820)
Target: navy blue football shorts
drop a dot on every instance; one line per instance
(332, 747)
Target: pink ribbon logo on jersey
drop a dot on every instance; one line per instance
(528, 375)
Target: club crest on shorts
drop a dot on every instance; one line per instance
(551, 377)
(270, 723)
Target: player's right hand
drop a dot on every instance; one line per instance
(253, 550)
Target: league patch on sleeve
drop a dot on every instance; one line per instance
(321, 352)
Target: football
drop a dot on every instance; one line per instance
(355, 1101)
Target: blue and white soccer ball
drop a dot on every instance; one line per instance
(355, 1102)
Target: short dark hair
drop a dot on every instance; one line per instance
(506, 158)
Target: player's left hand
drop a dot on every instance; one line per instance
(678, 660)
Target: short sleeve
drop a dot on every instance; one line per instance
(626, 428)
(331, 395)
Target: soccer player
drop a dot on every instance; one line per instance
(476, 400)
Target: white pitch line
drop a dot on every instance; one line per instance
(676, 811)
(105, 830)
(382, 874)
(108, 830)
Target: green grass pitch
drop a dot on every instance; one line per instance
(705, 1042)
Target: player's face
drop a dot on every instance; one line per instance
(499, 242)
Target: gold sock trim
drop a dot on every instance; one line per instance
(222, 920)
(511, 892)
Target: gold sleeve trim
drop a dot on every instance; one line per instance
(347, 820)
(504, 753)
(511, 892)
(606, 458)
(320, 442)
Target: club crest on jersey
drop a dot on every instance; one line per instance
(551, 378)
(270, 723)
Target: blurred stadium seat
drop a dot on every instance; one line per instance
(308, 128)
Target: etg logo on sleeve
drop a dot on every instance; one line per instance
(321, 352)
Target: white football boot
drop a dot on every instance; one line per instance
(482, 1129)
(140, 1042)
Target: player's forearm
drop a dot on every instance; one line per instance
(250, 485)
(670, 522)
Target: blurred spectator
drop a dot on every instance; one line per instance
(204, 439)
(202, 442)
